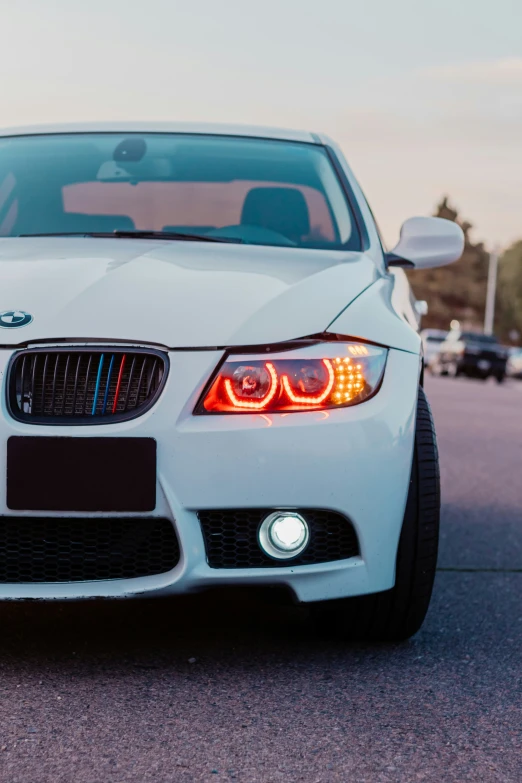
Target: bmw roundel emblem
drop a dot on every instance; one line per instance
(12, 319)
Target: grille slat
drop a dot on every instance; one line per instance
(64, 391)
(142, 375)
(131, 376)
(151, 377)
(97, 384)
(84, 386)
(44, 379)
(118, 384)
(76, 376)
(107, 386)
(24, 362)
(33, 386)
(231, 538)
(82, 550)
(55, 374)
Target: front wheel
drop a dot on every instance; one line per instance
(396, 614)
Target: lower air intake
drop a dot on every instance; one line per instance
(84, 550)
(231, 538)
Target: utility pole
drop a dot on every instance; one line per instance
(489, 315)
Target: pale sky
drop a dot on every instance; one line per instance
(424, 96)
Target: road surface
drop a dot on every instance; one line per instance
(226, 688)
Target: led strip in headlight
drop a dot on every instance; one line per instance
(316, 377)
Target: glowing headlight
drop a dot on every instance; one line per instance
(316, 377)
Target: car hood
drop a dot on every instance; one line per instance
(176, 294)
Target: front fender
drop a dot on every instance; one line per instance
(376, 317)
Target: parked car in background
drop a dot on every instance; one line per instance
(474, 354)
(432, 339)
(514, 363)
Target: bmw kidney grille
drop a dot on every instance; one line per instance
(84, 386)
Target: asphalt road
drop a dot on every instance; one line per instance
(228, 688)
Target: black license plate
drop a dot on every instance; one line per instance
(81, 474)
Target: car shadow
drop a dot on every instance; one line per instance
(237, 628)
(141, 628)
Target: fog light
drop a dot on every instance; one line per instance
(283, 535)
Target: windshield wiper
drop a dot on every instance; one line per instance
(137, 234)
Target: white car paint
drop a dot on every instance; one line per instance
(176, 294)
(429, 241)
(372, 316)
(364, 451)
(214, 128)
(183, 296)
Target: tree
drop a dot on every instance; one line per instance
(509, 291)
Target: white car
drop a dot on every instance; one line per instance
(208, 375)
(514, 363)
(432, 339)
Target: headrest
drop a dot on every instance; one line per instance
(279, 209)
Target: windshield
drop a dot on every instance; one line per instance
(248, 190)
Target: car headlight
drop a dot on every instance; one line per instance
(316, 377)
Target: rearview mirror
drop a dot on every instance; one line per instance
(427, 242)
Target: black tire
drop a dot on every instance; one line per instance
(500, 378)
(398, 613)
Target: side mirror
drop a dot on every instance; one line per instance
(427, 242)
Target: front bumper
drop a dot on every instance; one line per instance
(355, 461)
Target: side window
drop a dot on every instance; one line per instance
(379, 233)
(8, 204)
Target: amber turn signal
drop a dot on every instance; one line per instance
(298, 380)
